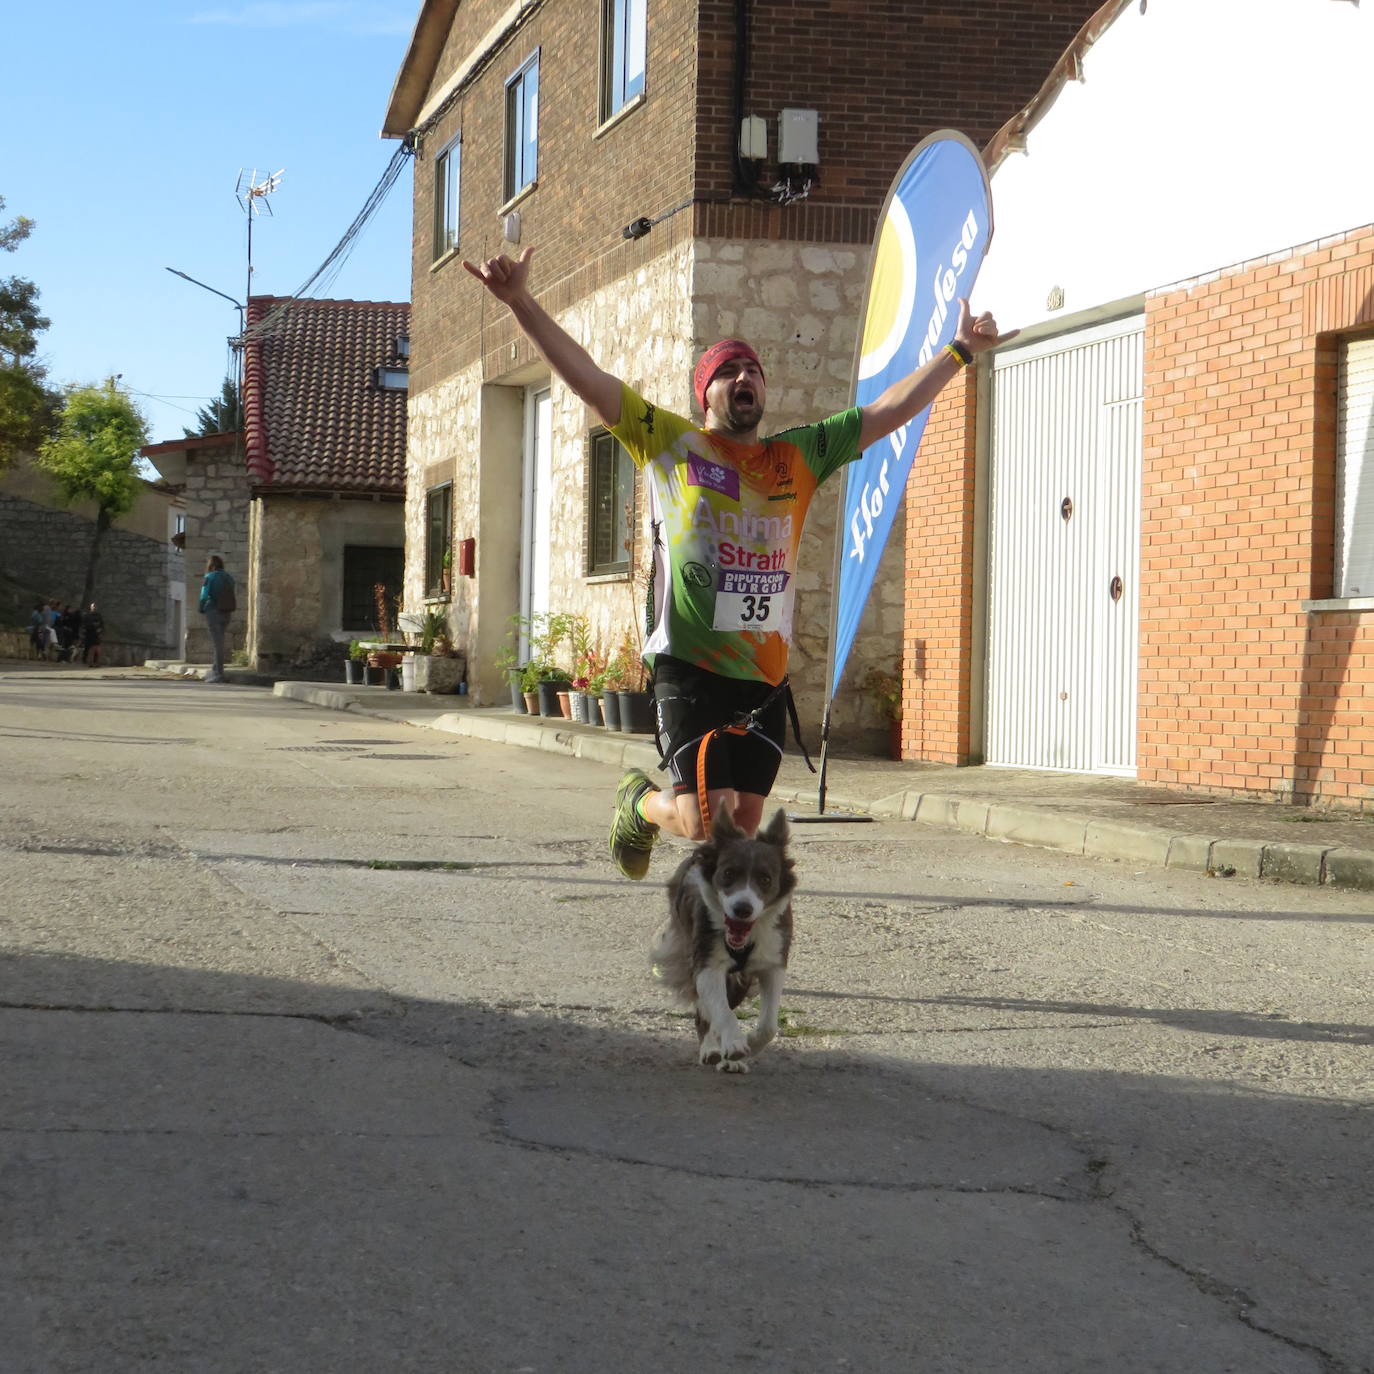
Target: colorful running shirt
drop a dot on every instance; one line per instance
(728, 521)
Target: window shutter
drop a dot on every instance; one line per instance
(1355, 471)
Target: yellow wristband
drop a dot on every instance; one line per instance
(960, 354)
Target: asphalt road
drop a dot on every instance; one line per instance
(331, 1045)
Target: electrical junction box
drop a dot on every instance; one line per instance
(799, 138)
(753, 138)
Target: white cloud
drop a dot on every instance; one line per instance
(348, 16)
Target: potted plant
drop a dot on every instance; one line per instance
(529, 677)
(635, 702)
(606, 686)
(549, 633)
(509, 666)
(579, 699)
(884, 687)
(589, 663)
(438, 667)
(353, 664)
(596, 698)
(446, 572)
(553, 683)
(634, 685)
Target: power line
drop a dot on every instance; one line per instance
(336, 259)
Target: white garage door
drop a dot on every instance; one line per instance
(1064, 552)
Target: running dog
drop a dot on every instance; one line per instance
(729, 927)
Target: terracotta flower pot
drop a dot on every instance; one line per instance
(531, 700)
(565, 704)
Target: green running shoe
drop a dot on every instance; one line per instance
(632, 837)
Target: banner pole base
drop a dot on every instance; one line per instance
(825, 749)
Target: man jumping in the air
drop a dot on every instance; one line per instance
(727, 509)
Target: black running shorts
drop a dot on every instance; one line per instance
(692, 702)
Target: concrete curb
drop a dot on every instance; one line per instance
(1041, 827)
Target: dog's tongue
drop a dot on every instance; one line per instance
(737, 932)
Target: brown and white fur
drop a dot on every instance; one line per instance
(730, 927)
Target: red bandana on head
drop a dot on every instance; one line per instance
(715, 358)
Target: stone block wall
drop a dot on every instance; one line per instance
(295, 620)
(47, 550)
(217, 500)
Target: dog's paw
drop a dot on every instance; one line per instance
(733, 1066)
(760, 1037)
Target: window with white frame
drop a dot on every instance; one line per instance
(522, 128)
(623, 30)
(447, 176)
(1355, 471)
(610, 506)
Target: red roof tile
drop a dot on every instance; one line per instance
(314, 416)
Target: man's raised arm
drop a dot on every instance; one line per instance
(507, 279)
(906, 399)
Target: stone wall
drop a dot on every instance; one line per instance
(217, 498)
(47, 550)
(471, 434)
(296, 616)
(114, 653)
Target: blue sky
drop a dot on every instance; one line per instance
(126, 127)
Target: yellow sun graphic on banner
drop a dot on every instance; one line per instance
(891, 294)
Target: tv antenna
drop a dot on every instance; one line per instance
(252, 196)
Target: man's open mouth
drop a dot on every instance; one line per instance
(737, 933)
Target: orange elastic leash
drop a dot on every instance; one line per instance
(703, 801)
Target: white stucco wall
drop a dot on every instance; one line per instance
(1204, 133)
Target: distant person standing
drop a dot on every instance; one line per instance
(38, 631)
(217, 604)
(92, 632)
(68, 633)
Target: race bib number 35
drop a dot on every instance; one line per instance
(753, 601)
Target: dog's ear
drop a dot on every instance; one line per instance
(778, 832)
(723, 825)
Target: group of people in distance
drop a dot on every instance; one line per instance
(56, 630)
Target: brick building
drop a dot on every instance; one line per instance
(608, 137)
(1142, 540)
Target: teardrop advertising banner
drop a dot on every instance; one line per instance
(933, 233)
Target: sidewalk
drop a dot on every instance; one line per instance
(1111, 818)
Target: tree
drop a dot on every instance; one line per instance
(224, 415)
(91, 458)
(27, 406)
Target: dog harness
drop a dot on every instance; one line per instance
(744, 723)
